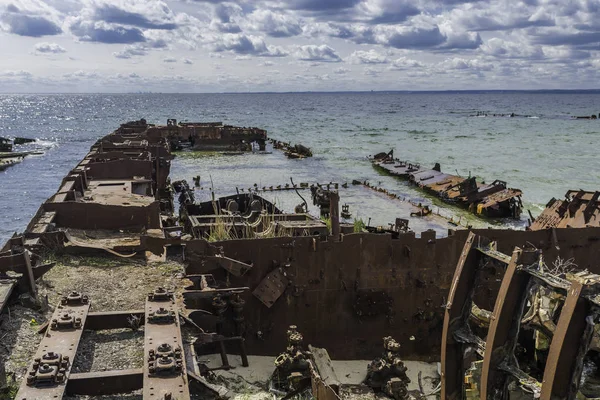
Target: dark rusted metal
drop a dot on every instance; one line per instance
(577, 210)
(504, 328)
(271, 287)
(456, 316)
(569, 345)
(48, 374)
(165, 373)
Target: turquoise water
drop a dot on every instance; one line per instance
(544, 154)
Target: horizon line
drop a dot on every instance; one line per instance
(316, 91)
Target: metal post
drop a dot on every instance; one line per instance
(334, 214)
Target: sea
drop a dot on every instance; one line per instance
(524, 138)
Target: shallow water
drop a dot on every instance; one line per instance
(544, 154)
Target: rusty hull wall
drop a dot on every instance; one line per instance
(120, 169)
(72, 214)
(328, 277)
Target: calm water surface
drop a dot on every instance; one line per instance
(544, 155)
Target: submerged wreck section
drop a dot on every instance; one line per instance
(578, 209)
(494, 200)
(199, 135)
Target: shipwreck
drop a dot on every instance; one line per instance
(507, 313)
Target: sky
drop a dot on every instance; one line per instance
(297, 45)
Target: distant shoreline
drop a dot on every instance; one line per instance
(483, 91)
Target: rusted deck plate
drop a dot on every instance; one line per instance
(271, 287)
(57, 351)
(164, 363)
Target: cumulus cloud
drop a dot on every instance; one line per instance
(29, 18)
(368, 57)
(404, 63)
(123, 22)
(131, 51)
(147, 15)
(49, 48)
(246, 45)
(274, 24)
(98, 31)
(322, 53)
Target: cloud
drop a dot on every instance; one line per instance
(321, 5)
(148, 14)
(341, 71)
(501, 48)
(368, 57)
(322, 53)
(187, 61)
(97, 31)
(274, 24)
(32, 18)
(131, 51)
(387, 11)
(49, 48)
(246, 45)
(404, 63)
(169, 60)
(573, 39)
(225, 15)
(123, 21)
(16, 73)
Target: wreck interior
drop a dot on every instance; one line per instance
(293, 272)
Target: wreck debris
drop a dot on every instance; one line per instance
(291, 366)
(578, 209)
(198, 135)
(420, 209)
(387, 373)
(525, 276)
(397, 282)
(292, 151)
(493, 200)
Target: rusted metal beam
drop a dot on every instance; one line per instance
(231, 265)
(6, 288)
(504, 328)
(48, 375)
(105, 383)
(114, 320)
(165, 373)
(456, 317)
(570, 343)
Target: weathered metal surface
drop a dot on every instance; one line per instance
(456, 318)
(234, 267)
(490, 200)
(322, 362)
(272, 287)
(165, 373)
(578, 209)
(6, 289)
(48, 374)
(504, 328)
(570, 343)
(105, 383)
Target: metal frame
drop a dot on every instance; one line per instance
(571, 338)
